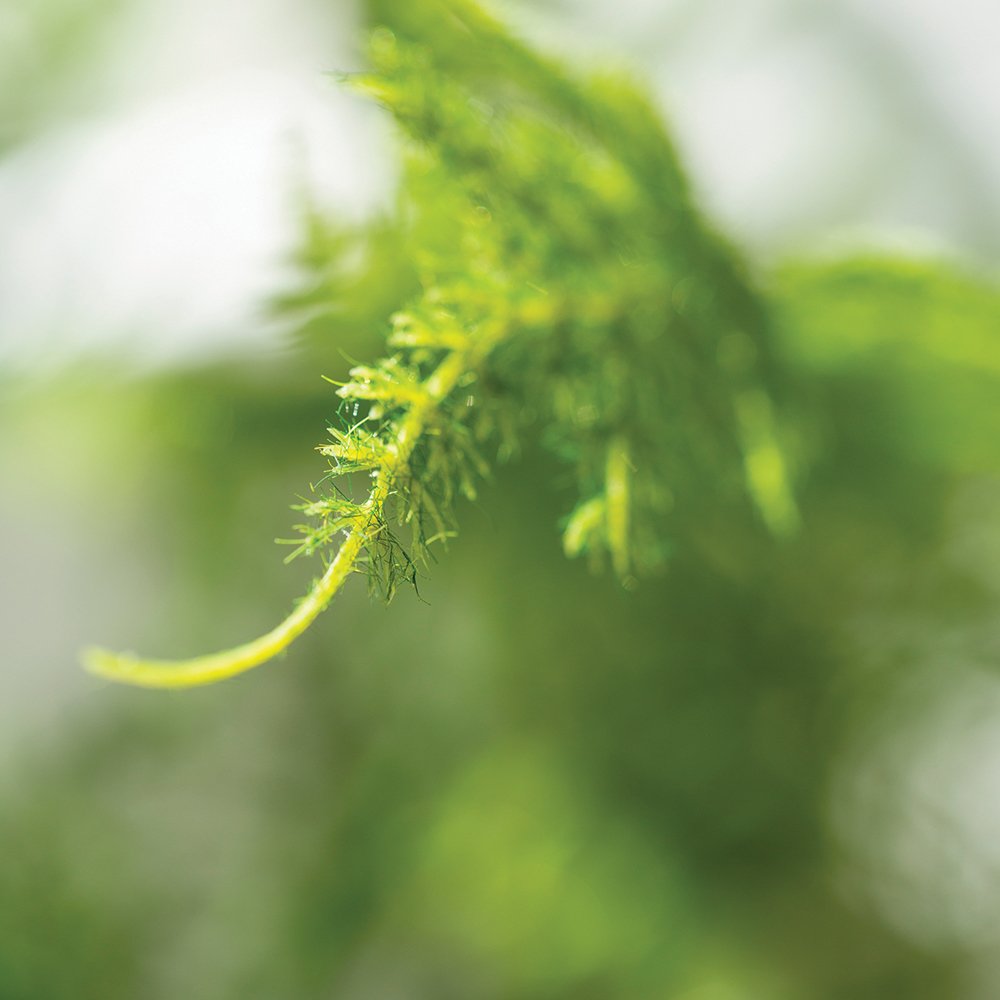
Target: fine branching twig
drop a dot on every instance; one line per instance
(568, 284)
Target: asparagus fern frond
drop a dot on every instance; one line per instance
(567, 283)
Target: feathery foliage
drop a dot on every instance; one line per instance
(566, 286)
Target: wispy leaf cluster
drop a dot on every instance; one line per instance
(566, 288)
(564, 269)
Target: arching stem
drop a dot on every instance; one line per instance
(218, 666)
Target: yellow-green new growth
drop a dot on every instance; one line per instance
(569, 285)
(389, 464)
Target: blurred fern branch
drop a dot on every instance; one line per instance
(567, 286)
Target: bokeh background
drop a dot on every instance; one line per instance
(770, 779)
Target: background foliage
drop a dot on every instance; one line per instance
(530, 784)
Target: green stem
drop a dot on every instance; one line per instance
(218, 666)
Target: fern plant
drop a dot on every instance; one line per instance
(568, 288)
